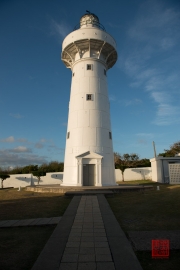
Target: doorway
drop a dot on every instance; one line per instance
(89, 175)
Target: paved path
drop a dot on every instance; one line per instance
(88, 189)
(29, 222)
(87, 237)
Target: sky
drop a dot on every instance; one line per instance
(143, 85)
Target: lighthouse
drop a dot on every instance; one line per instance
(89, 51)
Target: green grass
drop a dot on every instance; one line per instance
(23, 204)
(136, 182)
(152, 209)
(20, 247)
(147, 263)
(147, 211)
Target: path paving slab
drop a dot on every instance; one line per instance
(52, 253)
(10, 223)
(78, 243)
(3, 222)
(29, 222)
(121, 249)
(43, 221)
(23, 222)
(54, 220)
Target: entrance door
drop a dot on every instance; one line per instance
(89, 174)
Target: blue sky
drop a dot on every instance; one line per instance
(144, 84)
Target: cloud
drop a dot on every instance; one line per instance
(156, 24)
(134, 101)
(60, 29)
(114, 25)
(150, 58)
(20, 149)
(142, 141)
(144, 138)
(8, 139)
(11, 139)
(167, 114)
(9, 158)
(16, 115)
(39, 145)
(144, 134)
(112, 98)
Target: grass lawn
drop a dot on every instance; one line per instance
(20, 247)
(148, 211)
(23, 204)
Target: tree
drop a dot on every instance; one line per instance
(38, 174)
(174, 149)
(145, 162)
(3, 176)
(125, 161)
(30, 168)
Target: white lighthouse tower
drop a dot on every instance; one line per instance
(89, 51)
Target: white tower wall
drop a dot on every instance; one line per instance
(89, 139)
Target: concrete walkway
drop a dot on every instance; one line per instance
(29, 222)
(87, 237)
(88, 189)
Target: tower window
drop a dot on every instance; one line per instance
(104, 72)
(89, 97)
(68, 135)
(89, 67)
(110, 136)
(73, 74)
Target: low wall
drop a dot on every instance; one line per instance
(134, 174)
(24, 180)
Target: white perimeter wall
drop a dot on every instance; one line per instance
(134, 174)
(23, 180)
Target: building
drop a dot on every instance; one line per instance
(89, 51)
(166, 169)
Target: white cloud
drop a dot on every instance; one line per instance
(59, 29)
(144, 134)
(11, 139)
(151, 60)
(9, 158)
(167, 114)
(39, 145)
(16, 115)
(134, 101)
(8, 139)
(112, 98)
(157, 25)
(160, 97)
(20, 149)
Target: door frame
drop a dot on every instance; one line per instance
(89, 158)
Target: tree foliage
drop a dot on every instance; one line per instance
(53, 166)
(39, 174)
(30, 168)
(3, 176)
(174, 149)
(125, 161)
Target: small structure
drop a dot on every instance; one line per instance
(166, 169)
